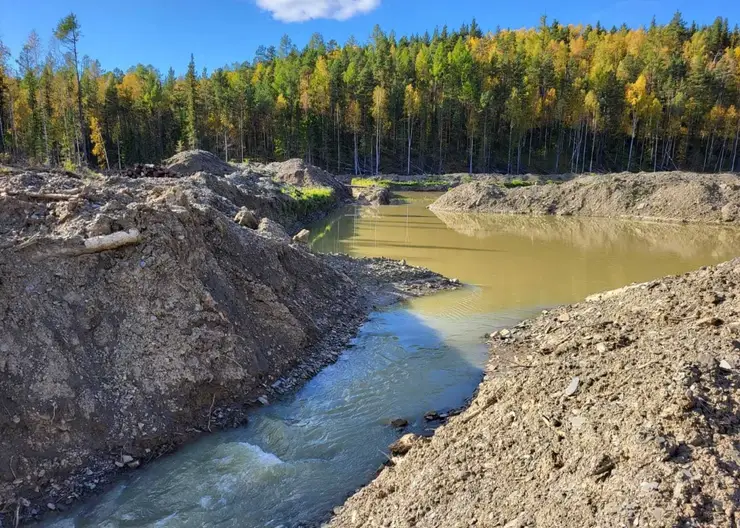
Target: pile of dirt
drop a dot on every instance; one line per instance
(301, 174)
(667, 196)
(148, 171)
(376, 195)
(192, 161)
(137, 314)
(618, 411)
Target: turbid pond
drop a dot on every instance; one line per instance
(301, 456)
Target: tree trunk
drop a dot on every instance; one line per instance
(241, 135)
(632, 140)
(83, 141)
(408, 153)
(511, 129)
(472, 146)
(529, 155)
(718, 167)
(356, 158)
(710, 146)
(593, 143)
(734, 150)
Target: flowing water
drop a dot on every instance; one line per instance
(301, 456)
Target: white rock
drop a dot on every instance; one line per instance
(724, 365)
(573, 387)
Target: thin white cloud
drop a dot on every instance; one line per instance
(302, 10)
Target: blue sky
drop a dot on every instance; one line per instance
(219, 32)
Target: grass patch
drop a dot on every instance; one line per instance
(310, 199)
(399, 185)
(369, 182)
(516, 182)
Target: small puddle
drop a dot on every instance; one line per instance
(303, 455)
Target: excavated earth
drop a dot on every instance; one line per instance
(138, 314)
(618, 411)
(665, 196)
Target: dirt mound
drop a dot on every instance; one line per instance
(192, 161)
(137, 314)
(301, 174)
(376, 195)
(669, 196)
(148, 171)
(618, 411)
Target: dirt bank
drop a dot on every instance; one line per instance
(666, 196)
(138, 314)
(299, 173)
(618, 411)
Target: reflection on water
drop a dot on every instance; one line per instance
(302, 456)
(523, 262)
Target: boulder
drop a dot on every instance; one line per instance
(729, 212)
(404, 444)
(272, 229)
(246, 218)
(302, 236)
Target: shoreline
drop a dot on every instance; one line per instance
(668, 197)
(584, 409)
(100, 476)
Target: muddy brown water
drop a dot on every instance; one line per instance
(302, 456)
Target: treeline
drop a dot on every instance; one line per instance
(551, 99)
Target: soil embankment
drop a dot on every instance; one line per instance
(139, 313)
(665, 196)
(621, 410)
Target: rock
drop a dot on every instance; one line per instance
(729, 212)
(302, 236)
(273, 230)
(404, 444)
(649, 486)
(564, 317)
(127, 459)
(246, 218)
(505, 333)
(724, 365)
(263, 400)
(601, 348)
(134, 464)
(399, 423)
(572, 388)
(51, 506)
(432, 416)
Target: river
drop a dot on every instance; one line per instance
(303, 455)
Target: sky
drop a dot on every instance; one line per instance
(219, 32)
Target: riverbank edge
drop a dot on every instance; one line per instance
(515, 352)
(667, 197)
(100, 475)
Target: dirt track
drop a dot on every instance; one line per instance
(619, 411)
(665, 196)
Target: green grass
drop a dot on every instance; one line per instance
(310, 199)
(516, 182)
(400, 185)
(369, 182)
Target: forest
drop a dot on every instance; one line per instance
(551, 99)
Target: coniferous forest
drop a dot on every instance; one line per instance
(552, 99)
